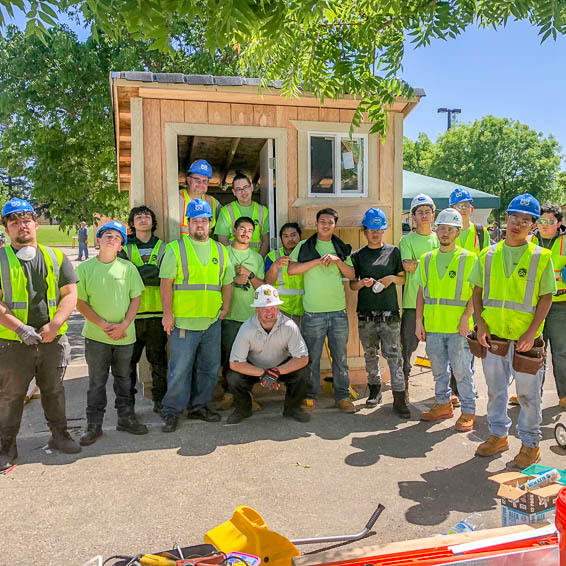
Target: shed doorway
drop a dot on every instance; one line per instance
(255, 157)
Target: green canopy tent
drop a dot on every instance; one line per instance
(439, 190)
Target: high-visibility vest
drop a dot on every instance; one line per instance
(446, 298)
(185, 219)
(197, 288)
(150, 305)
(15, 286)
(232, 212)
(290, 287)
(558, 251)
(510, 302)
(472, 242)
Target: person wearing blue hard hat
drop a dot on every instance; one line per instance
(196, 289)
(473, 237)
(513, 288)
(109, 296)
(378, 269)
(38, 293)
(197, 180)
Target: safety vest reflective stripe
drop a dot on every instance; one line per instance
(155, 257)
(281, 287)
(185, 285)
(256, 214)
(459, 284)
(7, 288)
(527, 305)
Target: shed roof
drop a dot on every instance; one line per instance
(439, 190)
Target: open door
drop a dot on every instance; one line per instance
(267, 192)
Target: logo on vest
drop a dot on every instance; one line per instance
(522, 272)
(451, 274)
(256, 222)
(214, 260)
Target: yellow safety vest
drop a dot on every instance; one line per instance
(558, 251)
(510, 302)
(232, 212)
(15, 286)
(150, 305)
(472, 243)
(197, 288)
(185, 219)
(445, 298)
(290, 287)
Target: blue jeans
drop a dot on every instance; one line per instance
(316, 327)
(447, 351)
(188, 350)
(83, 249)
(498, 371)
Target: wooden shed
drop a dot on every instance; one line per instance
(297, 150)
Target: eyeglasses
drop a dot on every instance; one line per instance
(198, 181)
(547, 221)
(463, 206)
(242, 189)
(524, 222)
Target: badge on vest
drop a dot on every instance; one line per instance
(522, 272)
(452, 274)
(214, 260)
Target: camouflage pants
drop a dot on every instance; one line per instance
(386, 334)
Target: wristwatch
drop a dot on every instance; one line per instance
(251, 275)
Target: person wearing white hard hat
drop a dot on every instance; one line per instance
(412, 247)
(268, 349)
(444, 302)
(38, 293)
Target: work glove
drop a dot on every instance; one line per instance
(269, 379)
(28, 335)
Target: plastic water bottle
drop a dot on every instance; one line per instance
(473, 522)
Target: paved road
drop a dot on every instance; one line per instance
(129, 494)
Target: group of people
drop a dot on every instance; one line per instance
(215, 309)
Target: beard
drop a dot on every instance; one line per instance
(24, 239)
(200, 236)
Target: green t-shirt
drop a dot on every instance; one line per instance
(511, 257)
(223, 227)
(413, 246)
(168, 270)
(240, 308)
(324, 290)
(108, 288)
(443, 260)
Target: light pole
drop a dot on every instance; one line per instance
(449, 111)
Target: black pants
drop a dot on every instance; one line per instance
(296, 384)
(151, 336)
(100, 358)
(409, 340)
(19, 364)
(229, 331)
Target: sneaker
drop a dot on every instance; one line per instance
(455, 401)
(237, 417)
(438, 412)
(465, 423)
(513, 400)
(492, 446)
(169, 423)
(346, 405)
(374, 397)
(298, 415)
(527, 456)
(204, 414)
(307, 405)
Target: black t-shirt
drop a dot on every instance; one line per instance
(148, 273)
(36, 273)
(377, 263)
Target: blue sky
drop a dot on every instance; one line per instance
(505, 73)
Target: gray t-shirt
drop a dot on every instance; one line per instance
(36, 273)
(264, 349)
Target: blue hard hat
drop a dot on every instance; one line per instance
(198, 208)
(201, 167)
(459, 195)
(526, 204)
(16, 205)
(375, 219)
(113, 225)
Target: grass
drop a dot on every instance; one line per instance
(54, 236)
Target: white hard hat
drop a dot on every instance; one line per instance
(266, 296)
(421, 199)
(449, 217)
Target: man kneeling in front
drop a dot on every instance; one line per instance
(269, 349)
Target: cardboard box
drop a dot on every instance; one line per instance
(524, 507)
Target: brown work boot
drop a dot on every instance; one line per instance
(562, 402)
(466, 422)
(346, 405)
(438, 412)
(492, 446)
(513, 400)
(527, 456)
(307, 405)
(455, 401)
(61, 440)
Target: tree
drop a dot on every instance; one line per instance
(329, 47)
(417, 155)
(56, 122)
(499, 156)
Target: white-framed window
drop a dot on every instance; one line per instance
(337, 164)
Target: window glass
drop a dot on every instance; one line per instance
(322, 165)
(352, 165)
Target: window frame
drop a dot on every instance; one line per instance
(337, 164)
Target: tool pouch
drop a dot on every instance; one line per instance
(476, 348)
(499, 346)
(531, 361)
